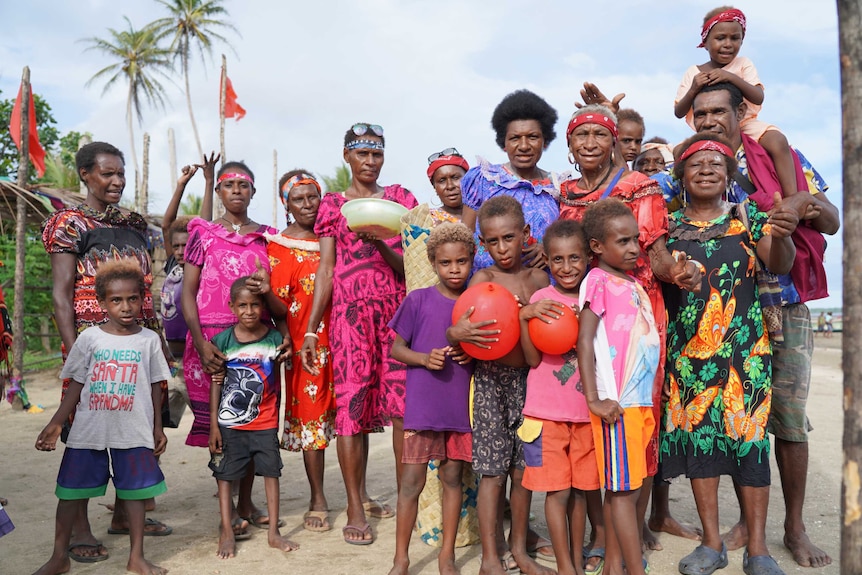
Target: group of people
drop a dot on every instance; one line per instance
(689, 269)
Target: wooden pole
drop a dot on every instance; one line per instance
(144, 208)
(217, 205)
(18, 343)
(850, 47)
(275, 188)
(172, 150)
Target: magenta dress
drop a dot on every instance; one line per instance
(369, 385)
(223, 257)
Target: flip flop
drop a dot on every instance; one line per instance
(376, 508)
(256, 517)
(510, 566)
(703, 561)
(363, 530)
(322, 516)
(243, 534)
(591, 552)
(760, 565)
(87, 558)
(542, 549)
(163, 530)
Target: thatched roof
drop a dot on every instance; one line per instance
(41, 202)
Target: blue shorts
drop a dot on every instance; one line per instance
(84, 473)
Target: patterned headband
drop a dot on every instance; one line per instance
(235, 176)
(599, 119)
(363, 144)
(732, 15)
(709, 145)
(294, 181)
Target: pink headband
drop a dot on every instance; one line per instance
(599, 119)
(732, 15)
(294, 181)
(235, 176)
(446, 161)
(709, 145)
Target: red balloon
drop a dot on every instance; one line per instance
(491, 301)
(557, 337)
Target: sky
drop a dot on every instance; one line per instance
(430, 73)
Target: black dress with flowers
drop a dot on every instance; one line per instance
(719, 367)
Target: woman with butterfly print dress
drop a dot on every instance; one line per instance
(719, 372)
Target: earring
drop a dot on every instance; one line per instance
(436, 203)
(572, 159)
(683, 197)
(726, 197)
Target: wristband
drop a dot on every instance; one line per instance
(312, 334)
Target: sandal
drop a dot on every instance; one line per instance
(510, 566)
(156, 529)
(321, 516)
(375, 508)
(542, 549)
(590, 553)
(363, 530)
(87, 558)
(256, 519)
(703, 561)
(760, 565)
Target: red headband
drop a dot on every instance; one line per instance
(732, 15)
(235, 176)
(446, 161)
(709, 145)
(599, 119)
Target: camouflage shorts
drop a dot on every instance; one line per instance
(791, 375)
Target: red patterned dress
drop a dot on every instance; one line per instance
(309, 406)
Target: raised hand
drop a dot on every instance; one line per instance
(258, 282)
(187, 173)
(592, 95)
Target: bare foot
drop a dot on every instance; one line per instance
(650, 541)
(806, 553)
(226, 544)
(491, 567)
(144, 567)
(737, 537)
(399, 566)
(529, 566)
(276, 541)
(670, 525)
(55, 566)
(446, 565)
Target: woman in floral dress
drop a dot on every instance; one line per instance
(309, 406)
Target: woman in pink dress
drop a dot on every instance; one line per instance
(363, 276)
(217, 254)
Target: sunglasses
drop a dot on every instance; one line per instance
(442, 153)
(362, 128)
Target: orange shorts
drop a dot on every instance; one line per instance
(424, 446)
(621, 448)
(562, 456)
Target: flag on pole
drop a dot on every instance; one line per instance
(37, 152)
(232, 109)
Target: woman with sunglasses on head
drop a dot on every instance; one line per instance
(363, 277)
(524, 125)
(445, 170)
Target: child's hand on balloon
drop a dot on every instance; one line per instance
(544, 310)
(467, 331)
(436, 359)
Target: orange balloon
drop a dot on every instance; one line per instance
(491, 301)
(557, 337)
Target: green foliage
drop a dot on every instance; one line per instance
(192, 205)
(37, 296)
(45, 123)
(340, 181)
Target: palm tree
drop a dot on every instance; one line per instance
(192, 206)
(340, 181)
(192, 23)
(58, 174)
(139, 60)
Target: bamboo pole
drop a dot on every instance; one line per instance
(144, 208)
(275, 188)
(850, 46)
(218, 207)
(18, 343)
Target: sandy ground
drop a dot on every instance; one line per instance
(27, 480)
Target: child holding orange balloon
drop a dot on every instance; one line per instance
(499, 389)
(436, 398)
(618, 355)
(559, 452)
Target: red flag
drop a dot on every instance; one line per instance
(37, 152)
(231, 108)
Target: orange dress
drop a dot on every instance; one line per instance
(309, 407)
(645, 199)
